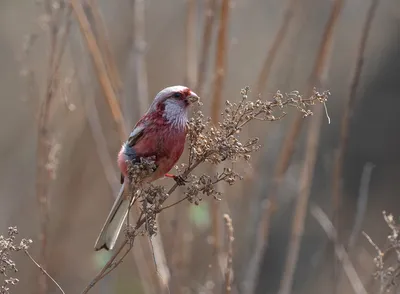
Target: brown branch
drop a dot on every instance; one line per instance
(302, 202)
(104, 44)
(190, 48)
(295, 128)
(344, 131)
(139, 56)
(101, 70)
(220, 71)
(278, 40)
(340, 251)
(206, 42)
(43, 142)
(263, 78)
(228, 272)
(44, 271)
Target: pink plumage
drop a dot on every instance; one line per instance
(161, 133)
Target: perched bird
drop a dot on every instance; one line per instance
(160, 133)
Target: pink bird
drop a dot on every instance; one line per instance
(161, 133)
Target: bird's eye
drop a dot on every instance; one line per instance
(178, 95)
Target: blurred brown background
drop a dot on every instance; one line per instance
(81, 194)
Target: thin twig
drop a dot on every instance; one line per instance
(44, 271)
(101, 70)
(340, 251)
(228, 271)
(220, 71)
(344, 131)
(205, 46)
(276, 44)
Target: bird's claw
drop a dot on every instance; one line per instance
(180, 181)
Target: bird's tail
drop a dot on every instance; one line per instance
(113, 224)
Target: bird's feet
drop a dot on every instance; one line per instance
(180, 181)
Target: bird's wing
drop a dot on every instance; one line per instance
(135, 135)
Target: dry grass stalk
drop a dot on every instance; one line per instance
(344, 131)
(44, 145)
(220, 72)
(295, 128)
(228, 271)
(206, 43)
(101, 69)
(140, 49)
(104, 44)
(190, 49)
(302, 202)
(340, 251)
(276, 44)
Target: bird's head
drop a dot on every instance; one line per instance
(173, 103)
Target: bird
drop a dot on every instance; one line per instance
(160, 134)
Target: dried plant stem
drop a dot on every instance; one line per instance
(104, 45)
(276, 44)
(139, 56)
(228, 271)
(340, 251)
(344, 131)
(190, 49)
(295, 128)
(100, 66)
(110, 265)
(206, 42)
(302, 202)
(43, 145)
(361, 205)
(44, 271)
(220, 71)
(269, 204)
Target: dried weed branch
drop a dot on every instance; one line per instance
(45, 143)
(295, 128)
(220, 72)
(212, 144)
(7, 265)
(228, 271)
(104, 44)
(43, 271)
(101, 69)
(340, 251)
(387, 260)
(344, 131)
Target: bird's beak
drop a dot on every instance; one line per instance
(193, 97)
